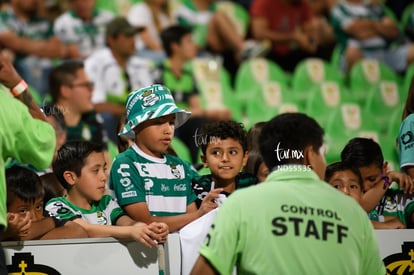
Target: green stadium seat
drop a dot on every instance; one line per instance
(310, 73)
(366, 73)
(271, 98)
(346, 122)
(252, 73)
(409, 74)
(323, 100)
(214, 84)
(382, 100)
(394, 124)
(181, 149)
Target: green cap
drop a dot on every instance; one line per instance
(151, 102)
(120, 25)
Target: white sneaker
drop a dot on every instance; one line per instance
(252, 49)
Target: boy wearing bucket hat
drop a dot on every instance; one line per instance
(150, 184)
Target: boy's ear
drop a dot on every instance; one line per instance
(245, 158)
(70, 177)
(314, 160)
(65, 91)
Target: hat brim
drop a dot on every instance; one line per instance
(181, 116)
(133, 30)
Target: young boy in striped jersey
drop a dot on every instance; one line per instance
(151, 185)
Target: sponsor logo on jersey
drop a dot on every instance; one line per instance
(128, 194)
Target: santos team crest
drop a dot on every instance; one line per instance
(401, 263)
(23, 263)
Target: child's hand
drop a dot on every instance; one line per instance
(143, 234)
(405, 182)
(209, 201)
(18, 225)
(161, 229)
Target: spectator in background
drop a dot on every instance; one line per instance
(365, 31)
(71, 92)
(24, 133)
(83, 25)
(175, 72)
(116, 71)
(31, 38)
(289, 25)
(214, 32)
(154, 15)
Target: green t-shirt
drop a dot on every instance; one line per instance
(106, 211)
(293, 223)
(89, 128)
(182, 88)
(163, 183)
(23, 138)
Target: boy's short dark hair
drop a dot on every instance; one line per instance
(173, 34)
(289, 131)
(222, 130)
(340, 166)
(63, 74)
(24, 184)
(362, 152)
(71, 157)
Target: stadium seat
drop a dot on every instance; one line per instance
(346, 122)
(271, 98)
(366, 73)
(381, 101)
(324, 99)
(255, 71)
(409, 74)
(394, 123)
(213, 82)
(311, 72)
(181, 149)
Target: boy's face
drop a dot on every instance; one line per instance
(91, 183)
(347, 182)
(187, 48)
(81, 93)
(371, 175)
(155, 135)
(225, 158)
(21, 207)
